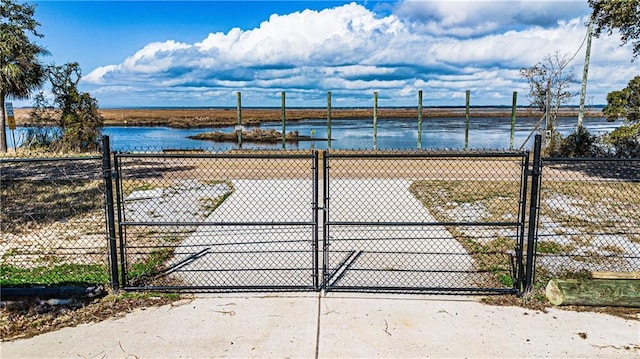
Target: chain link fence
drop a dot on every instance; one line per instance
(52, 221)
(281, 220)
(589, 218)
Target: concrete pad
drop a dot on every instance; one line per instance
(339, 326)
(367, 326)
(222, 326)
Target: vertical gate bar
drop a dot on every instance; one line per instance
(522, 219)
(111, 225)
(121, 235)
(533, 211)
(325, 218)
(314, 246)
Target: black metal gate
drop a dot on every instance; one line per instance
(406, 222)
(424, 222)
(218, 222)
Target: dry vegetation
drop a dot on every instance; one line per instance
(219, 117)
(24, 319)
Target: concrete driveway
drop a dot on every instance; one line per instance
(269, 239)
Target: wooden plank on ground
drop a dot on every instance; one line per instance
(615, 275)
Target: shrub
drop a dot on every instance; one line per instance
(624, 141)
(580, 143)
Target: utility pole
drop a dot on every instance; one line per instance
(585, 72)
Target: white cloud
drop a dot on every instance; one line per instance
(437, 47)
(479, 17)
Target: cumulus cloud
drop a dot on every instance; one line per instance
(479, 17)
(439, 47)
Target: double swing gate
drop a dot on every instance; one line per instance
(356, 221)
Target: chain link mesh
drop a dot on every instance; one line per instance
(52, 221)
(589, 218)
(434, 222)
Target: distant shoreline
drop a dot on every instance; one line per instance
(223, 117)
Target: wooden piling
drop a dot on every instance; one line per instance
(284, 120)
(419, 119)
(513, 119)
(239, 114)
(375, 120)
(329, 119)
(466, 116)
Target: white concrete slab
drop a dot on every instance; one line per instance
(379, 326)
(339, 326)
(212, 327)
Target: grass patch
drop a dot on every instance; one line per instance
(208, 205)
(551, 247)
(65, 274)
(500, 199)
(141, 271)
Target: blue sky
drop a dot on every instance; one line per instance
(165, 53)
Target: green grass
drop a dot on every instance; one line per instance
(65, 274)
(550, 247)
(208, 205)
(151, 265)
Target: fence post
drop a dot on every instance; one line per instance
(283, 115)
(111, 223)
(329, 119)
(239, 115)
(419, 119)
(375, 120)
(513, 119)
(466, 117)
(533, 212)
(325, 220)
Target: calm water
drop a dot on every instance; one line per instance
(437, 133)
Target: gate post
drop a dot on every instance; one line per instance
(325, 219)
(109, 208)
(533, 212)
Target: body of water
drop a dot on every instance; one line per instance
(437, 133)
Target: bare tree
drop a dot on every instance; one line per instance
(550, 86)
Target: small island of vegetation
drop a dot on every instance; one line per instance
(256, 135)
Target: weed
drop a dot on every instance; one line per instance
(151, 265)
(551, 247)
(208, 205)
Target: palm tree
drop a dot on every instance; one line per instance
(20, 70)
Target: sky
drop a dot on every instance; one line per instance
(201, 53)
